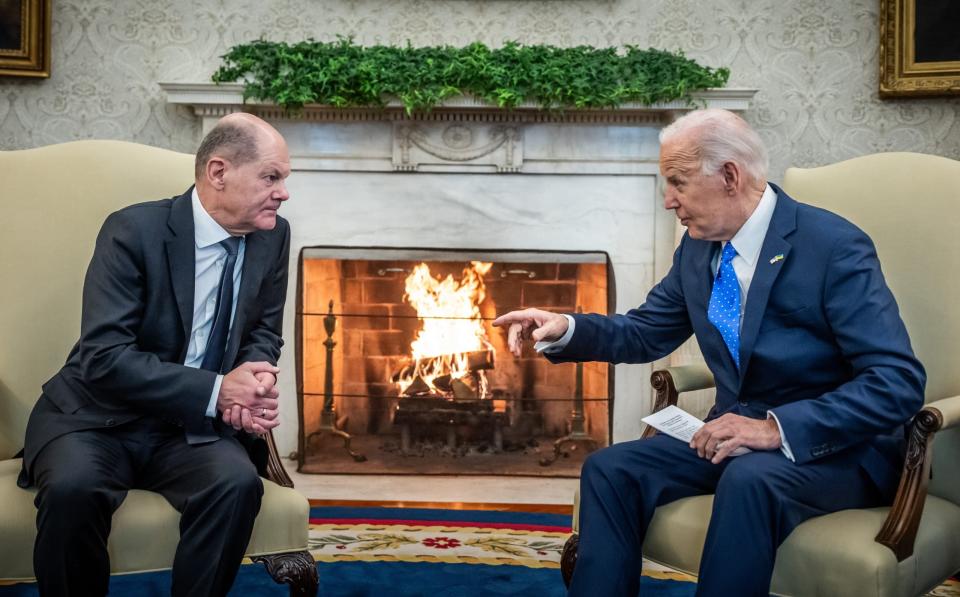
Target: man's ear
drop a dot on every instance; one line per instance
(731, 177)
(214, 172)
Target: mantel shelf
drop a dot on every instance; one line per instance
(213, 100)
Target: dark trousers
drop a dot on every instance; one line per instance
(83, 477)
(760, 498)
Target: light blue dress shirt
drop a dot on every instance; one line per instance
(209, 259)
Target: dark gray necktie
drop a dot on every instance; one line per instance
(217, 343)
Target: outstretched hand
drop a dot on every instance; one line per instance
(531, 324)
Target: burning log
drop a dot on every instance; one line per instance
(480, 359)
(462, 390)
(442, 383)
(417, 387)
(477, 360)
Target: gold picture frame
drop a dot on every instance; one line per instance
(25, 38)
(901, 72)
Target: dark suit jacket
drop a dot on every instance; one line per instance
(135, 327)
(822, 342)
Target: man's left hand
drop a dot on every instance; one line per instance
(263, 420)
(721, 436)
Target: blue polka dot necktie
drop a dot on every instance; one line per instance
(724, 308)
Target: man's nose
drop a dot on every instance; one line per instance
(670, 199)
(282, 193)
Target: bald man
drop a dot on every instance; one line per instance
(173, 376)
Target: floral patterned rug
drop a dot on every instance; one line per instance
(532, 542)
(417, 535)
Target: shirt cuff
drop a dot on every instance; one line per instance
(212, 405)
(561, 342)
(784, 444)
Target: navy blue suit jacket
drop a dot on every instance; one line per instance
(822, 342)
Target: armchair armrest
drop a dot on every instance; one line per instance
(899, 530)
(670, 382)
(275, 470)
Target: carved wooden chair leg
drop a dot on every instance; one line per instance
(298, 569)
(568, 558)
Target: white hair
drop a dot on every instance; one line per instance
(721, 136)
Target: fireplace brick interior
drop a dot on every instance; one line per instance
(374, 331)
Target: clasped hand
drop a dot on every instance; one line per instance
(531, 324)
(721, 436)
(248, 398)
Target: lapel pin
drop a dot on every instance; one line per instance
(776, 258)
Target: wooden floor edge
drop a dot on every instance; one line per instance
(498, 507)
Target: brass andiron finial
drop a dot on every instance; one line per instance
(328, 416)
(578, 434)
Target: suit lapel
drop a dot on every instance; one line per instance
(181, 258)
(703, 281)
(254, 260)
(783, 222)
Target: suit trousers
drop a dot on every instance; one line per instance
(82, 478)
(759, 498)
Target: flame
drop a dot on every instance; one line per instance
(452, 327)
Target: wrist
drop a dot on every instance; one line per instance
(775, 441)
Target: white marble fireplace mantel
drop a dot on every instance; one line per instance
(467, 175)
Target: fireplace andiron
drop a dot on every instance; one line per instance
(328, 417)
(578, 436)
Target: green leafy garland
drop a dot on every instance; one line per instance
(344, 74)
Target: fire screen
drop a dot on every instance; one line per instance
(401, 371)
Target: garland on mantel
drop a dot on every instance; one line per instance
(344, 74)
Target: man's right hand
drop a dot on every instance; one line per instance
(532, 324)
(248, 397)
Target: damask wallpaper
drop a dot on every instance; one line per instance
(814, 62)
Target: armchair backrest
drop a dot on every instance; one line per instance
(57, 198)
(907, 203)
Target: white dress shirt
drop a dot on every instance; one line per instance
(209, 259)
(747, 241)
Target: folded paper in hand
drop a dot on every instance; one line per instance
(680, 424)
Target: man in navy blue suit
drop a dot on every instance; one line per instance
(813, 366)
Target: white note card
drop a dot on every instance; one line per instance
(679, 424)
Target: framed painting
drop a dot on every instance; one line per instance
(919, 47)
(25, 38)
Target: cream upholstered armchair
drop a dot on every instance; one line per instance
(908, 203)
(56, 198)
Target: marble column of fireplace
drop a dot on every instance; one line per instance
(469, 176)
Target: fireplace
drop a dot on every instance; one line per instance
(559, 182)
(402, 372)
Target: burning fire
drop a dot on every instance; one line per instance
(453, 338)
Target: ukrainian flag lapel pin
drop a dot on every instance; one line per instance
(776, 258)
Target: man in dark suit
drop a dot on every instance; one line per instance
(813, 367)
(174, 373)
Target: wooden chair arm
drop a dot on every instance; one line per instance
(275, 470)
(670, 382)
(899, 530)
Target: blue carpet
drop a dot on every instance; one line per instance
(383, 579)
